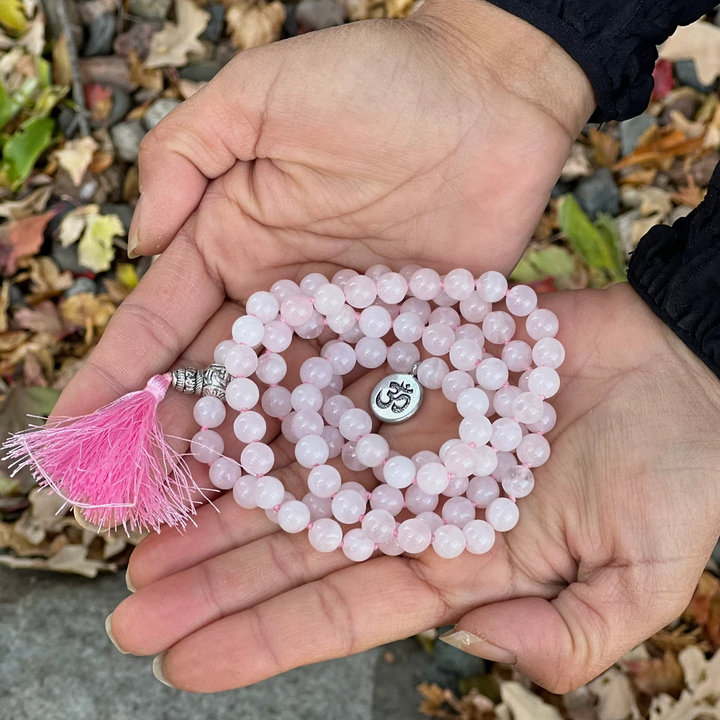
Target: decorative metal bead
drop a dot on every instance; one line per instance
(211, 381)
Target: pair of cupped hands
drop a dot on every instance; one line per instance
(433, 140)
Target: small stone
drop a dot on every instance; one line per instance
(121, 104)
(152, 9)
(561, 188)
(67, 258)
(319, 14)
(101, 35)
(157, 111)
(290, 26)
(199, 72)
(82, 285)
(126, 137)
(702, 170)
(598, 194)
(631, 130)
(215, 25)
(687, 75)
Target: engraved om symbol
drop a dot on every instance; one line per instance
(398, 397)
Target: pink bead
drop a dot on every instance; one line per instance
(209, 412)
(491, 401)
(293, 516)
(527, 408)
(325, 535)
(408, 327)
(479, 537)
(431, 519)
(334, 440)
(272, 514)
(334, 408)
(286, 428)
(506, 434)
(476, 429)
(432, 478)
(547, 422)
(324, 481)
(465, 354)
(372, 450)
(357, 546)
(474, 309)
(523, 380)
(544, 381)
(447, 445)
(449, 542)
(350, 458)
(341, 277)
(402, 357)
(549, 352)
(224, 473)
(472, 401)
(284, 288)
(459, 284)
(379, 525)
(313, 328)
(482, 491)
(534, 450)
(316, 371)
(371, 352)
(425, 284)
(503, 401)
(414, 535)
(455, 382)
(221, 351)
(249, 426)
(242, 394)
(492, 374)
(517, 355)
(504, 461)
(375, 272)
(418, 501)
(424, 457)
(446, 315)
(318, 507)
(311, 282)
(431, 372)
(470, 332)
(357, 487)
(360, 291)
(385, 497)
(329, 299)
(277, 337)
(348, 506)
(457, 486)
(442, 299)
(399, 471)
(343, 320)
(541, 324)
(206, 446)
(341, 357)
(352, 335)
(461, 460)
(307, 422)
(355, 423)
(311, 450)
(241, 361)
(375, 321)
(271, 368)
(336, 383)
(276, 402)
(263, 305)
(248, 330)
(492, 286)
(521, 300)
(518, 481)
(502, 514)
(306, 397)
(421, 308)
(392, 287)
(257, 458)
(243, 492)
(486, 460)
(409, 270)
(498, 327)
(437, 338)
(268, 492)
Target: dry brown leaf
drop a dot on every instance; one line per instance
(399, 9)
(616, 700)
(578, 163)
(172, 45)
(650, 200)
(46, 277)
(43, 318)
(71, 559)
(62, 69)
(704, 608)
(700, 42)
(524, 705)
(21, 238)
(10, 341)
(692, 129)
(605, 148)
(638, 178)
(680, 638)
(670, 143)
(657, 675)
(75, 157)
(150, 78)
(73, 224)
(11, 539)
(4, 305)
(32, 204)
(101, 161)
(255, 23)
(188, 88)
(690, 195)
(88, 311)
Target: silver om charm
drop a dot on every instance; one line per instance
(396, 398)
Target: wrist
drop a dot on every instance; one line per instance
(528, 63)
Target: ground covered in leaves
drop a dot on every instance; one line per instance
(82, 82)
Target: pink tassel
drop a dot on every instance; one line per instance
(115, 464)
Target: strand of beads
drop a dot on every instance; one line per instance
(381, 317)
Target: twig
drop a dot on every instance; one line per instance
(77, 86)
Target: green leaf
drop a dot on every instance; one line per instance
(11, 105)
(553, 261)
(597, 244)
(95, 249)
(23, 149)
(12, 16)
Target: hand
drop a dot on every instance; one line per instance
(608, 549)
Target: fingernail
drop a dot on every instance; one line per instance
(85, 523)
(472, 644)
(133, 237)
(108, 630)
(129, 582)
(157, 668)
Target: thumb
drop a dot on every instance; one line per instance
(563, 643)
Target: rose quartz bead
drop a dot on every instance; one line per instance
(379, 525)
(357, 546)
(408, 327)
(504, 461)
(243, 492)
(284, 288)
(547, 422)
(548, 352)
(271, 368)
(414, 535)
(476, 429)
(424, 457)
(286, 428)
(325, 535)
(523, 380)
(316, 371)
(276, 402)
(485, 460)
(458, 511)
(461, 460)
(517, 355)
(492, 373)
(357, 487)
(447, 445)
(491, 401)
(446, 315)
(263, 305)
(277, 337)
(334, 408)
(341, 277)
(224, 473)
(399, 471)
(355, 423)
(391, 547)
(375, 321)
(375, 272)
(506, 434)
(472, 401)
(311, 282)
(350, 458)
(249, 426)
(272, 513)
(209, 412)
(432, 478)
(482, 491)
(313, 328)
(248, 330)
(392, 287)
(418, 307)
(527, 408)
(465, 354)
(456, 486)
(343, 320)
(437, 338)
(348, 506)
(306, 397)
(371, 352)
(318, 507)
(257, 458)
(518, 481)
(334, 440)
(352, 335)
(470, 333)
(492, 286)
(479, 537)
(474, 309)
(242, 394)
(329, 299)
(541, 324)
(534, 450)
(324, 481)
(241, 361)
(521, 300)
(385, 497)
(418, 501)
(402, 357)
(341, 357)
(449, 541)
(221, 351)
(311, 450)
(409, 270)
(268, 492)
(293, 516)
(442, 299)
(498, 327)
(544, 381)
(502, 514)
(459, 284)
(206, 446)
(307, 422)
(337, 383)
(360, 291)
(431, 519)
(454, 383)
(503, 401)
(425, 284)
(431, 372)
(372, 450)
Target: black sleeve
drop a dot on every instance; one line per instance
(613, 41)
(676, 270)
